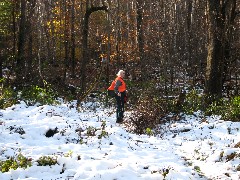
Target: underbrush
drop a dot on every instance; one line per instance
(36, 94)
(148, 108)
(151, 110)
(146, 102)
(228, 109)
(8, 96)
(30, 94)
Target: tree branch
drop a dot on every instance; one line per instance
(93, 9)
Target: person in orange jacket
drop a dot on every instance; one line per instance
(120, 90)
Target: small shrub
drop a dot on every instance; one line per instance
(165, 173)
(15, 162)
(147, 114)
(8, 96)
(193, 102)
(103, 134)
(46, 161)
(68, 154)
(234, 109)
(91, 131)
(149, 132)
(216, 107)
(103, 125)
(221, 155)
(197, 168)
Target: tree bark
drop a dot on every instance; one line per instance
(221, 18)
(73, 48)
(140, 34)
(14, 29)
(215, 56)
(21, 44)
(229, 18)
(29, 31)
(66, 39)
(189, 32)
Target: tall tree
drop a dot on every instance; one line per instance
(66, 38)
(218, 12)
(29, 30)
(189, 32)
(89, 10)
(21, 44)
(3, 31)
(73, 36)
(140, 33)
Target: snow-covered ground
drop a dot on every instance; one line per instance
(90, 145)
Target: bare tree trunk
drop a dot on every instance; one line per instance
(49, 31)
(30, 59)
(14, 29)
(229, 21)
(40, 32)
(189, 31)
(221, 17)
(20, 69)
(215, 51)
(140, 34)
(118, 34)
(73, 39)
(66, 39)
(29, 31)
(84, 49)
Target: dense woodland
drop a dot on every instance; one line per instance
(165, 46)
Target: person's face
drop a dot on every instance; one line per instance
(123, 74)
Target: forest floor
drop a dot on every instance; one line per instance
(88, 144)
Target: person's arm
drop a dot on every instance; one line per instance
(117, 84)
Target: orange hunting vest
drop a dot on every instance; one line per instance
(120, 88)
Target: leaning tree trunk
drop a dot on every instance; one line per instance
(89, 11)
(215, 57)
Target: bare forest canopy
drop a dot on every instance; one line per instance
(84, 43)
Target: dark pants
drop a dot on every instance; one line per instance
(120, 105)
